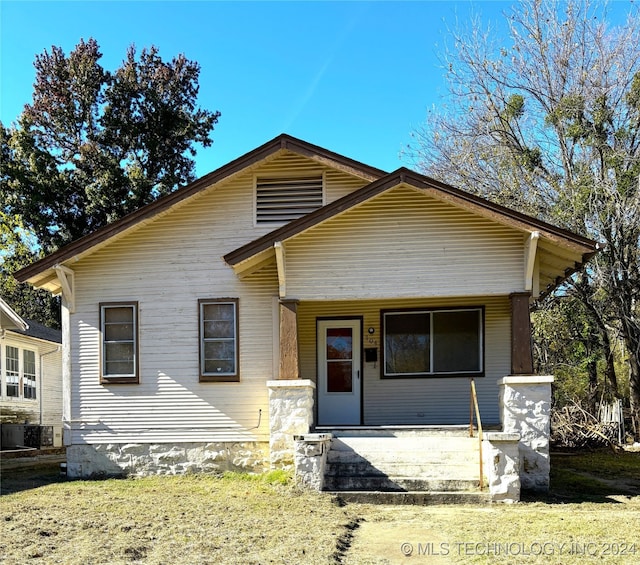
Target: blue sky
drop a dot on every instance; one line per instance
(353, 77)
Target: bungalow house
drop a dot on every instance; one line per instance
(30, 382)
(295, 304)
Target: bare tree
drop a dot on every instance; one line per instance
(547, 120)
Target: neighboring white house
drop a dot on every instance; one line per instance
(30, 382)
(294, 290)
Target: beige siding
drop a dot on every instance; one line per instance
(440, 250)
(417, 400)
(166, 266)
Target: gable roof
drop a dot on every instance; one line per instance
(582, 247)
(41, 270)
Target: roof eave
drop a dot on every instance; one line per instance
(582, 245)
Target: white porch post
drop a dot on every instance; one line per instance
(525, 405)
(67, 416)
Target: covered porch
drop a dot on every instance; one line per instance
(392, 298)
(364, 426)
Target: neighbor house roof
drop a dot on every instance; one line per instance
(39, 272)
(39, 331)
(9, 320)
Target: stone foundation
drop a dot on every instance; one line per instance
(290, 414)
(525, 404)
(125, 459)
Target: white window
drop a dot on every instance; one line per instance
(422, 343)
(12, 370)
(119, 337)
(19, 379)
(29, 373)
(282, 199)
(219, 340)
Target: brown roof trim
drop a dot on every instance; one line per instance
(402, 175)
(281, 142)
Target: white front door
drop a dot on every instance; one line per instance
(339, 382)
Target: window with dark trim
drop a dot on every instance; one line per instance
(119, 342)
(219, 333)
(432, 342)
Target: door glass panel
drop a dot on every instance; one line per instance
(339, 343)
(339, 376)
(339, 359)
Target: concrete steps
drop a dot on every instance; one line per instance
(408, 466)
(419, 498)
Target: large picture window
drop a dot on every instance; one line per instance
(432, 342)
(219, 340)
(119, 336)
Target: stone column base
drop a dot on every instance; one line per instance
(311, 459)
(501, 460)
(525, 404)
(290, 414)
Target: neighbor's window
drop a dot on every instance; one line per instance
(219, 340)
(283, 199)
(12, 370)
(29, 373)
(119, 331)
(432, 342)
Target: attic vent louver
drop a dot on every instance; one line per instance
(280, 200)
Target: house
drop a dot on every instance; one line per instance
(30, 382)
(295, 292)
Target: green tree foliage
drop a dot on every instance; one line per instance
(548, 122)
(94, 145)
(15, 252)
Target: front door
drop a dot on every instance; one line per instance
(339, 382)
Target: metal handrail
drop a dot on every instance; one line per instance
(474, 407)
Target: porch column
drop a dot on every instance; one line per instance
(290, 415)
(525, 409)
(289, 367)
(521, 350)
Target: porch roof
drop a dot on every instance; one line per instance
(565, 252)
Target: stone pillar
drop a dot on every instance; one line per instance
(289, 350)
(311, 459)
(521, 350)
(501, 461)
(290, 414)
(525, 406)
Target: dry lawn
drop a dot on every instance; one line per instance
(191, 519)
(592, 515)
